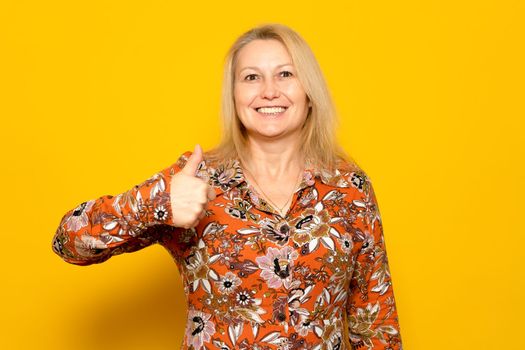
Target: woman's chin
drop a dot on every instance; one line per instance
(269, 133)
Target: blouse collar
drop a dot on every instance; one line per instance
(225, 175)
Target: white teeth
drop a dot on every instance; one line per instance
(271, 110)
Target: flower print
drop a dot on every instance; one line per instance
(228, 283)
(310, 225)
(254, 198)
(244, 267)
(197, 267)
(305, 325)
(58, 246)
(332, 335)
(257, 200)
(366, 208)
(357, 180)
(89, 246)
(247, 307)
(276, 266)
(196, 263)
(333, 178)
(309, 197)
(368, 243)
(258, 284)
(226, 174)
(160, 213)
(346, 243)
(283, 344)
(241, 210)
(78, 217)
(297, 299)
(308, 178)
(349, 216)
(277, 231)
(360, 325)
(199, 329)
(244, 297)
(187, 235)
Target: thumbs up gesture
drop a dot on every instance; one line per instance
(189, 194)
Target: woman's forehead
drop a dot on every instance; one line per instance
(260, 54)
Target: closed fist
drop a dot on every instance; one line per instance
(189, 195)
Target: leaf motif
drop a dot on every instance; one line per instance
(312, 246)
(326, 295)
(328, 242)
(380, 274)
(221, 345)
(247, 231)
(270, 337)
(302, 311)
(334, 232)
(249, 315)
(307, 291)
(234, 331)
(214, 258)
(340, 296)
(359, 203)
(374, 311)
(388, 329)
(319, 206)
(116, 239)
(110, 225)
(195, 285)
(135, 202)
(231, 334)
(162, 183)
(335, 220)
(381, 288)
(280, 340)
(213, 227)
(318, 331)
(206, 285)
(107, 238)
(154, 191)
(116, 204)
(213, 275)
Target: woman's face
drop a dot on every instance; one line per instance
(269, 99)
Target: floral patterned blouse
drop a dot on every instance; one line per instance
(317, 278)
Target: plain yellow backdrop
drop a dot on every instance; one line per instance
(96, 96)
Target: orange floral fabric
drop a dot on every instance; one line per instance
(317, 278)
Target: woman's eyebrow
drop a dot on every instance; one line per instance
(255, 68)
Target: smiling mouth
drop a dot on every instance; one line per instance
(271, 111)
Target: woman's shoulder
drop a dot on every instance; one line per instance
(345, 173)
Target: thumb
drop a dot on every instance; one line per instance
(193, 162)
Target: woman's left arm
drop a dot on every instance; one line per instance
(371, 308)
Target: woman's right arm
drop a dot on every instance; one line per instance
(97, 229)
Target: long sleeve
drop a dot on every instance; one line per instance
(99, 228)
(371, 309)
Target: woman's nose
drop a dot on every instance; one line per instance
(270, 89)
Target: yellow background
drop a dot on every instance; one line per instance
(96, 96)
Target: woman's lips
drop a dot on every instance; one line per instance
(273, 111)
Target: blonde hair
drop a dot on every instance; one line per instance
(318, 139)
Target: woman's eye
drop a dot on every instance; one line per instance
(286, 73)
(249, 76)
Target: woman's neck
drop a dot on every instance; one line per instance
(274, 160)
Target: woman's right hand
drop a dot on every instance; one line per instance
(189, 195)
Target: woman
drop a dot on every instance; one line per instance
(276, 232)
